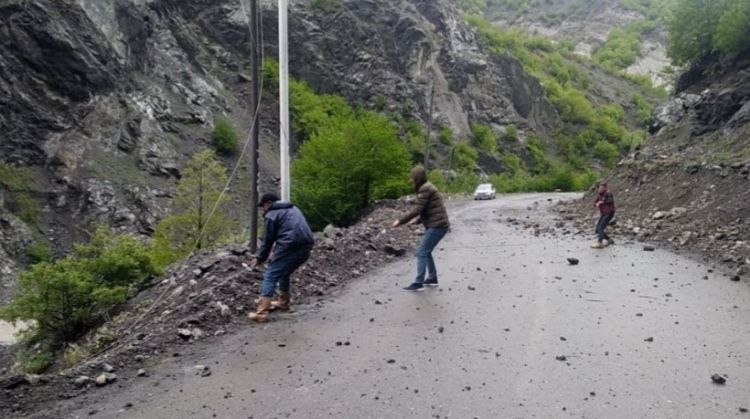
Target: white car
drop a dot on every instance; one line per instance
(485, 191)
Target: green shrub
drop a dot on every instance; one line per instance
(483, 138)
(225, 137)
(67, 297)
(511, 133)
(20, 182)
(446, 136)
(538, 155)
(270, 72)
(621, 49)
(464, 157)
(643, 109)
(347, 164)
(607, 153)
(414, 136)
(34, 360)
(39, 251)
(571, 103)
(325, 6)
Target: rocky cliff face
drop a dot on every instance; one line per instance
(108, 98)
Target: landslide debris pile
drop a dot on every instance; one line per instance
(209, 295)
(689, 186)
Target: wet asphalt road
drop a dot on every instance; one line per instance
(484, 344)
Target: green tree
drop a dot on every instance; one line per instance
(224, 135)
(347, 164)
(733, 30)
(692, 29)
(67, 297)
(192, 225)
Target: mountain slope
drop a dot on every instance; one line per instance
(107, 99)
(689, 186)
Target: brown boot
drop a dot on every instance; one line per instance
(283, 303)
(261, 314)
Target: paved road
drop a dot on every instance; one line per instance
(485, 343)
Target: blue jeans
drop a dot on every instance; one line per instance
(425, 263)
(280, 269)
(604, 221)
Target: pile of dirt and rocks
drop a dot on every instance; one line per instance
(206, 296)
(689, 186)
(705, 213)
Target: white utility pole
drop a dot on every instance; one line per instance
(284, 99)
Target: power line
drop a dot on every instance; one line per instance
(232, 175)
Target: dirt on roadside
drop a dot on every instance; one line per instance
(207, 296)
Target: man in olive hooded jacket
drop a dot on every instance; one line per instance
(431, 211)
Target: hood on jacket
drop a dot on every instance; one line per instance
(418, 177)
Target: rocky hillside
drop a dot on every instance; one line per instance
(689, 186)
(104, 101)
(588, 25)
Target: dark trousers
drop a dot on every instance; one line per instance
(604, 221)
(280, 269)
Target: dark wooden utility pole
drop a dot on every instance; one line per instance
(255, 122)
(429, 129)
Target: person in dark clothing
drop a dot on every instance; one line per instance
(287, 232)
(605, 201)
(431, 211)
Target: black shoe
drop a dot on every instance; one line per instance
(416, 286)
(431, 282)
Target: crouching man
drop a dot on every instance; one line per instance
(287, 231)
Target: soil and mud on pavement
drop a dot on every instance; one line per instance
(513, 331)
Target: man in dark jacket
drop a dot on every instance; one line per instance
(287, 232)
(605, 201)
(431, 211)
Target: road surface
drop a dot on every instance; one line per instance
(512, 332)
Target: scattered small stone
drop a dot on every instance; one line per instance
(648, 339)
(203, 370)
(648, 248)
(743, 410)
(82, 381)
(141, 373)
(391, 361)
(440, 329)
(718, 379)
(562, 338)
(736, 278)
(398, 252)
(108, 368)
(471, 288)
(561, 358)
(33, 379)
(185, 334)
(378, 302)
(105, 379)
(573, 261)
